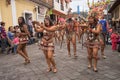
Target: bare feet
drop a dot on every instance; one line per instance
(75, 56)
(27, 61)
(49, 69)
(69, 54)
(95, 70)
(54, 70)
(89, 66)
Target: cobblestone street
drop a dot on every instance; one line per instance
(12, 68)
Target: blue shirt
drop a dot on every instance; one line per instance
(10, 35)
(104, 25)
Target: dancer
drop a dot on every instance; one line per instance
(77, 30)
(46, 43)
(82, 28)
(23, 36)
(92, 43)
(71, 35)
(62, 30)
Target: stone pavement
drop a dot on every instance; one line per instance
(12, 68)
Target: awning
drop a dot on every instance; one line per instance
(115, 4)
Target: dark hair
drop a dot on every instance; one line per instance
(16, 26)
(2, 23)
(69, 20)
(23, 21)
(95, 19)
(50, 21)
(76, 19)
(9, 28)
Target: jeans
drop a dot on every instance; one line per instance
(15, 49)
(3, 44)
(30, 29)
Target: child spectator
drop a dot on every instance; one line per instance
(17, 29)
(114, 39)
(16, 42)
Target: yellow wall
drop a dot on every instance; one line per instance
(6, 13)
(21, 6)
(24, 5)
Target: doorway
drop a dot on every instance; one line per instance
(27, 16)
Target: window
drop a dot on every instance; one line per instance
(57, 1)
(62, 7)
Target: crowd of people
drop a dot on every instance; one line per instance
(9, 38)
(72, 29)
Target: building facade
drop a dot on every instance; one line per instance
(115, 10)
(10, 10)
(115, 13)
(60, 9)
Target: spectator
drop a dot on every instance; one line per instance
(30, 27)
(103, 22)
(114, 39)
(16, 41)
(10, 35)
(3, 37)
(16, 28)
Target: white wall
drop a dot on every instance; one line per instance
(41, 16)
(57, 6)
(0, 15)
(14, 17)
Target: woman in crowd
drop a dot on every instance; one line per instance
(10, 35)
(92, 42)
(23, 36)
(46, 43)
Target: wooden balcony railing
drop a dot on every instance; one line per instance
(46, 3)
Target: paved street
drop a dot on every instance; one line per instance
(12, 67)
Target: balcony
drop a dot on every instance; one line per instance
(46, 3)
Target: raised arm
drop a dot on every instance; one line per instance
(37, 27)
(98, 30)
(53, 28)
